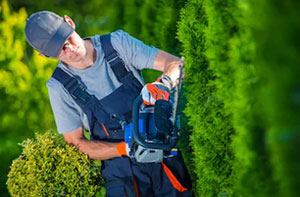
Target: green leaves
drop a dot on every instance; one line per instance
(241, 84)
(211, 128)
(50, 167)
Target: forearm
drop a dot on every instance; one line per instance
(98, 150)
(168, 64)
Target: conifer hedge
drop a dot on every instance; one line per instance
(211, 128)
(243, 96)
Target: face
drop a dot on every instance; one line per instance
(73, 49)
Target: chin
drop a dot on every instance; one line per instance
(81, 53)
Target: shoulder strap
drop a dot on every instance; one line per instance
(112, 57)
(74, 86)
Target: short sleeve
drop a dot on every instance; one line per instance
(66, 115)
(134, 51)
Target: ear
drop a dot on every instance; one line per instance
(69, 21)
(43, 55)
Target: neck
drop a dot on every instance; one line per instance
(87, 60)
(90, 56)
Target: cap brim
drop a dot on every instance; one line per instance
(55, 44)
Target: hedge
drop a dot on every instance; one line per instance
(243, 96)
(211, 129)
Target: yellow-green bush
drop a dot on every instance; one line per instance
(50, 167)
(24, 105)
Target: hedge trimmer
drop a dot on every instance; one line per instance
(153, 133)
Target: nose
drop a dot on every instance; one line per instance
(66, 50)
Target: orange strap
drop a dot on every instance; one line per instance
(121, 148)
(136, 190)
(176, 184)
(105, 130)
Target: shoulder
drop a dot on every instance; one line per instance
(121, 38)
(56, 88)
(119, 34)
(53, 83)
(133, 50)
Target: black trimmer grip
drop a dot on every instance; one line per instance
(136, 133)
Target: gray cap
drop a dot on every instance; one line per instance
(46, 32)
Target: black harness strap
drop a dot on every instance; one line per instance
(112, 57)
(73, 85)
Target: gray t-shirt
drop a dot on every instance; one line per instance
(99, 78)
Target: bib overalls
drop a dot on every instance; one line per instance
(124, 176)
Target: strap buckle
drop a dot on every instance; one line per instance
(77, 90)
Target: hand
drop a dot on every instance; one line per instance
(123, 149)
(167, 81)
(155, 91)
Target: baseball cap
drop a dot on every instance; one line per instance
(46, 32)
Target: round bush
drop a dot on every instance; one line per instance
(50, 167)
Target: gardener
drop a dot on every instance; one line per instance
(93, 88)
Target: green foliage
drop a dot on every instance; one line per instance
(24, 103)
(50, 167)
(90, 16)
(252, 168)
(148, 16)
(278, 67)
(165, 25)
(242, 96)
(211, 128)
(230, 54)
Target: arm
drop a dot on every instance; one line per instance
(94, 149)
(168, 64)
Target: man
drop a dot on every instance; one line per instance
(93, 87)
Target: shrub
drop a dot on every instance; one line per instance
(50, 167)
